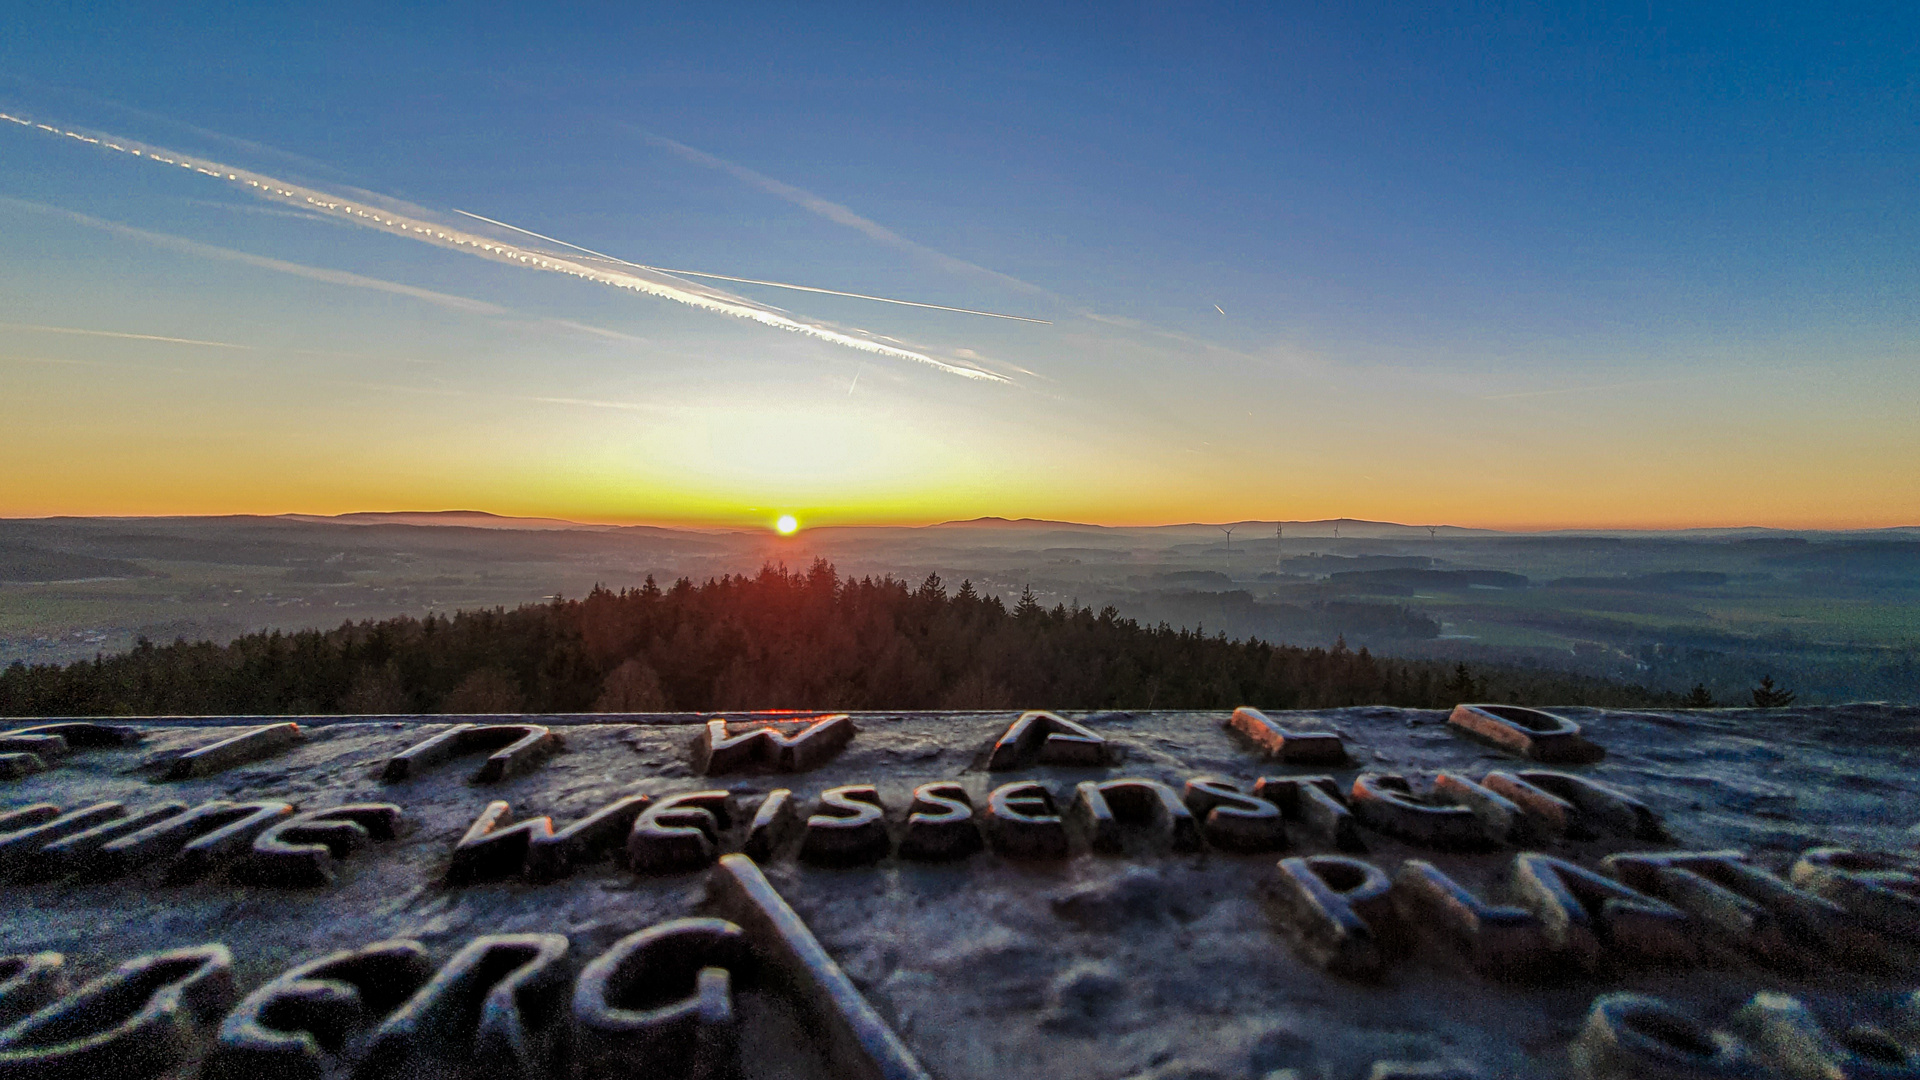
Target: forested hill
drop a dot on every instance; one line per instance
(775, 640)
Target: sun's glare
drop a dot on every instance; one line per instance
(787, 525)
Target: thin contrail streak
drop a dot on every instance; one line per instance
(748, 280)
(412, 224)
(117, 334)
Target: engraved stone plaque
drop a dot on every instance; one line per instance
(1137, 896)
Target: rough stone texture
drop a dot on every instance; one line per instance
(1082, 967)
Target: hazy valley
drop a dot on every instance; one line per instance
(1832, 615)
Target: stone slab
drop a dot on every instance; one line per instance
(1163, 960)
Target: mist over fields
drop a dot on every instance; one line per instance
(1834, 616)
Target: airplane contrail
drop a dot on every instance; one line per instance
(117, 334)
(751, 281)
(407, 224)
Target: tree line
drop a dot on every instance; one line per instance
(779, 639)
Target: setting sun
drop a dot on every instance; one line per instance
(787, 525)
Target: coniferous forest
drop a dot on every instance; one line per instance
(775, 640)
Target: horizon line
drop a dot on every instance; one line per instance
(736, 526)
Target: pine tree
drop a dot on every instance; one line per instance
(1699, 697)
(1460, 688)
(1767, 696)
(1029, 607)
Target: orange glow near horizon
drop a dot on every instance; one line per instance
(153, 441)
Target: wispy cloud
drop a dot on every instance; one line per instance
(312, 273)
(605, 258)
(873, 230)
(841, 215)
(38, 329)
(400, 219)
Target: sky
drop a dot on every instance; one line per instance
(1525, 266)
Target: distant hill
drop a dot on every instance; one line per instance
(472, 519)
(1039, 524)
(28, 563)
(1245, 531)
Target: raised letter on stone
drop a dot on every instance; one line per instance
(1316, 803)
(1600, 806)
(1786, 1036)
(1572, 900)
(1549, 816)
(74, 851)
(516, 749)
(1043, 738)
(490, 849)
(775, 821)
(15, 766)
(849, 828)
(144, 1018)
(496, 1010)
(680, 832)
(21, 841)
(1232, 819)
(1500, 940)
(1726, 893)
(27, 817)
(298, 852)
(715, 752)
(940, 823)
(29, 982)
(1530, 733)
(1502, 820)
(859, 1045)
(554, 855)
(1102, 807)
(1292, 747)
(1629, 1036)
(1023, 824)
(237, 750)
(301, 1023)
(1388, 803)
(1880, 890)
(1337, 908)
(50, 741)
(199, 839)
(663, 998)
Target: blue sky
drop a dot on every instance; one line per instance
(1526, 265)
